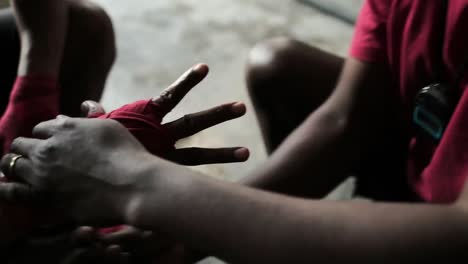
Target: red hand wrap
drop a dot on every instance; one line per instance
(33, 99)
(143, 119)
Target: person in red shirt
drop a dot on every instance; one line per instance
(319, 128)
(405, 43)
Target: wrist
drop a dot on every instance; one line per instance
(157, 195)
(115, 199)
(142, 188)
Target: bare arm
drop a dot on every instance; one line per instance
(243, 225)
(331, 138)
(234, 222)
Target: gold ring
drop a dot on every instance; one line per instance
(12, 164)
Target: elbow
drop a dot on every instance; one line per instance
(336, 122)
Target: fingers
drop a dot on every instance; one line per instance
(49, 128)
(194, 123)
(24, 146)
(201, 156)
(90, 250)
(92, 109)
(20, 170)
(62, 117)
(84, 236)
(16, 193)
(171, 96)
(127, 235)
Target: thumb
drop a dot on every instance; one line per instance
(17, 193)
(92, 109)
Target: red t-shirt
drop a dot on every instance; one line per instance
(405, 35)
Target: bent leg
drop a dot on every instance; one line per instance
(287, 80)
(9, 54)
(35, 95)
(88, 56)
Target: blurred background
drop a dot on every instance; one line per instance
(159, 40)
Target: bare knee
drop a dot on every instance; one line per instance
(268, 64)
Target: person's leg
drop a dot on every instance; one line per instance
(35, 96)
(287, 80)
(88, 56)
(9, 54)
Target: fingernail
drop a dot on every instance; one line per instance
(242, 154)
(239, 108)
(85, 229)
(200, 67)
(91, 107)
(87, 108)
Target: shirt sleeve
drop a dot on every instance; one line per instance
(369, 42)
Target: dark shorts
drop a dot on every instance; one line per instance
(9, 55)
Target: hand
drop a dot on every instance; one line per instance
(88, 168)
(74, 247)
(192, 123)
(142, 246)
(148, 247)
(89, 249)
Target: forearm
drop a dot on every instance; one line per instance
(42, 43)
(329, 144)
(306, 163)
(243, 225)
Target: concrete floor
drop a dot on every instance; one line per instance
(158, 40)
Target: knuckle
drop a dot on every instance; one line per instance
(37, 128)
(188, 123)
(47, 151)
(67, 123)
(15, 144)
(109, 128)
(166, 96)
